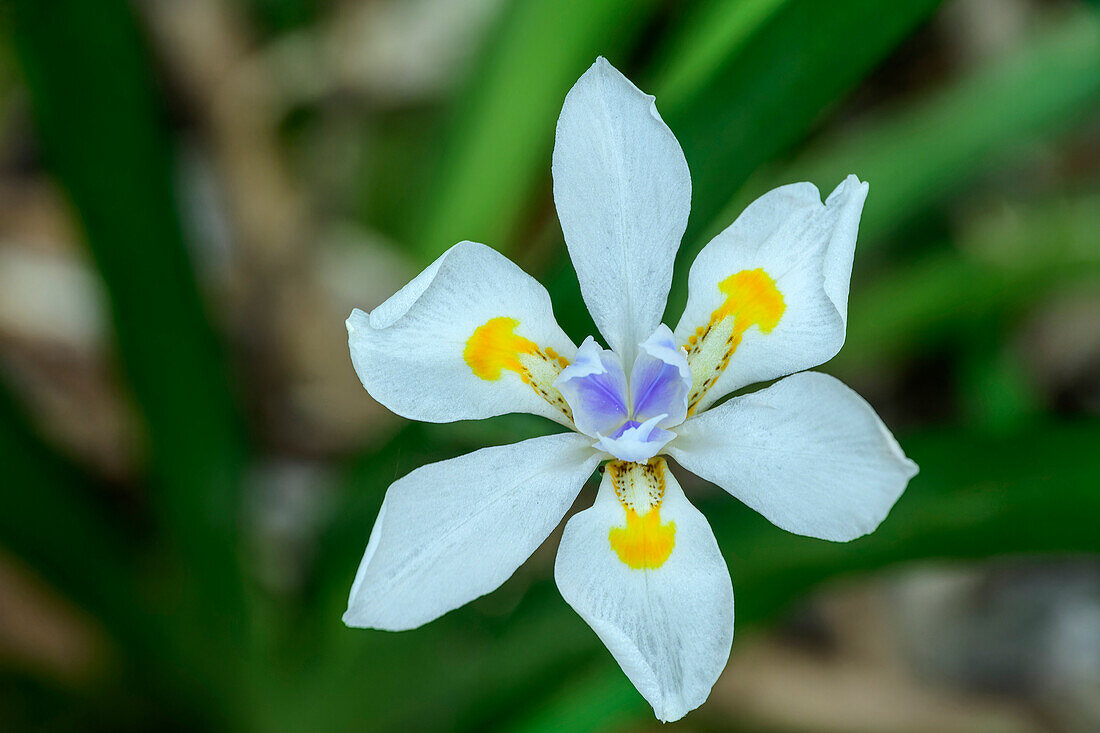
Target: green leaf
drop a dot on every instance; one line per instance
(100, 128)
(498, 147)
(58, 521)
(711, 33)
(774, 86)
(53, 521)
(929, 149)
(994, 390)
(1001, 264)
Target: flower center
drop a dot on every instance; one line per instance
(628, 418)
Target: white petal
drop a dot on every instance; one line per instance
(808, 453)
(622, 190)
(806, 248)
(409, 352)
(847, 199)
(452, 531)
(669, 627)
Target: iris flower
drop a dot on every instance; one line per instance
(473, 336)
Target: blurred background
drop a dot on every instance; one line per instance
(195, 193)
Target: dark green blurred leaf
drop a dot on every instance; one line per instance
(774, 86)
(56, 520)
(279, 16)
(26, 703)
(100, 129)
(53, 520)
(994, 390)
(711, 33)
(930, 149)
(498, 148)
(995, 269)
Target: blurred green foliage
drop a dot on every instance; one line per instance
(749, 88)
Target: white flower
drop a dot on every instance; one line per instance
(473, 336)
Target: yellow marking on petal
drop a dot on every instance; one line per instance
(644, 543)
(494, 346)
(752, 299)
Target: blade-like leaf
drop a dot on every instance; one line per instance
(52, 521)
(773, 86)
(57, 521)
(998, 267)
(928, 150)
(100, 128)
(711, 33)
(498, 147)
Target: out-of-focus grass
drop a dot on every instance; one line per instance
(101, 127)
(991, 270)
(769, 89)
(741, 84)
(931, 148)
(499, 142)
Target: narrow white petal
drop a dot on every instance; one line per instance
(847, 199)
(411, 351)
(452, 531)
(669, 623)
(622, 190)
(794, 318)
(808, 453)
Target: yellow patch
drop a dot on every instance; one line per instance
(644, 543)
(752, 299)
(495, 346)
